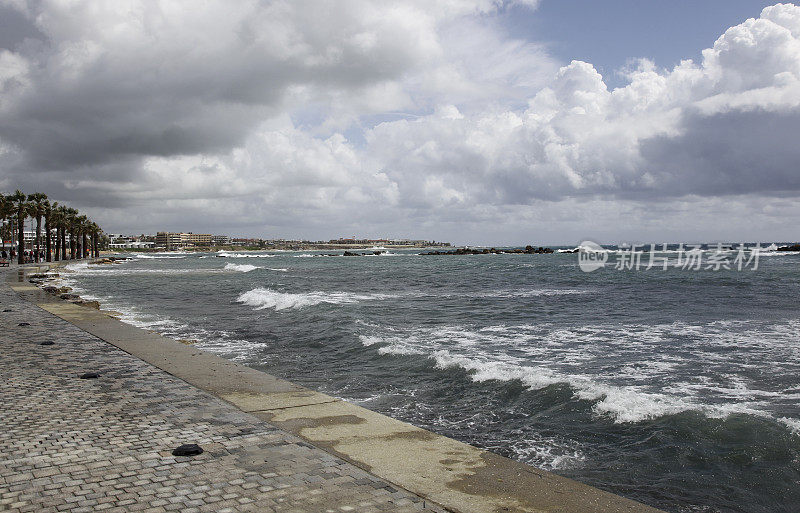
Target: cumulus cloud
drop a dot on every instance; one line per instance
(722, 126)
(316, 118)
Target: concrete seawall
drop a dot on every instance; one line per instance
(433, 471)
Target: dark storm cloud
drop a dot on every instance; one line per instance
(729, 153)
(15, 28)
(152, 81)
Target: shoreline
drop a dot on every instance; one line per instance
(453, 474)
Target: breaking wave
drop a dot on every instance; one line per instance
(243, 268)
(157, 256)
(262, 299)
(225, 254)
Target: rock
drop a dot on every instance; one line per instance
(69, 296)
(493, 251)
(64, 290)
(24, 324)
(791, 247)
(90, 304)
(90, 375)
(47, 343)
(50, 289)
(187, 341)
(187, 450)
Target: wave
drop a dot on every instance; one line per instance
(261, 298)
(622, 370)
(243, 268)
(225, 254)
(529, 293)
(157, 256)
(792, 424)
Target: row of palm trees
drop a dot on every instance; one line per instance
(59, 221)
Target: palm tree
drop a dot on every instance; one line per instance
(37, 204)
(72, 227)
(83, 227)
(54, 218)
(48, 230)
(21, 209)
(95, 231)
(63, 213)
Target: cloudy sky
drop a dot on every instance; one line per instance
(473, 121)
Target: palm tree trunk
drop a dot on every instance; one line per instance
(63, 231)
(21, 240)
(38, 237)
(56, 253)
(47, 240)
(71, 244)
(84, 249)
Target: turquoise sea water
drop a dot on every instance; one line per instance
(678, 388)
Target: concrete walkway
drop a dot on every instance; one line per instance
(71, 444)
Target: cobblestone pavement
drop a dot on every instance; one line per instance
(105, 444)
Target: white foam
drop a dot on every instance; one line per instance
(262, 298)
(225, 254)
(792, 424)
(242, 268)
(529, 293)
(547, 453)
(621, 369)
(390, 345)
(158, 256)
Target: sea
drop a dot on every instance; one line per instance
(675, 386)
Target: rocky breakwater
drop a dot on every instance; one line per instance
(791, 247)
(50, 282)
(529, 250)
(370, 253)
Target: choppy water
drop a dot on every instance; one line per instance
(677, 388)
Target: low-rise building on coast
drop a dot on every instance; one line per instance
(183, 240)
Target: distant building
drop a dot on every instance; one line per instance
(239, 241)
(168, 240)
(220, 240)
(196, 239)
(133, 244)
(182, 240)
